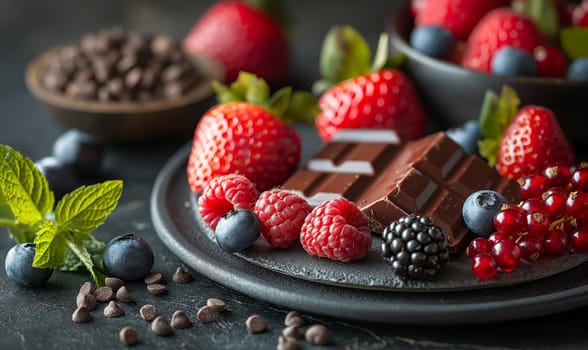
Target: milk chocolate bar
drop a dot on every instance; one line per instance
(388, 179)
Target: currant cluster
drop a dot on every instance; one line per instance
(552, 219)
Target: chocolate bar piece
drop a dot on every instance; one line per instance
(388, 179)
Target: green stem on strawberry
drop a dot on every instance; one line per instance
(543, 13)
(495, 116)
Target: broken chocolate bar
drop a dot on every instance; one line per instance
(388, 179)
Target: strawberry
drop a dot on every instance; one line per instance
(500, 27)
(247, 138)
(457, 16)
(242, 38)
(363, 95)
(521, 142)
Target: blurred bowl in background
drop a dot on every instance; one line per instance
(132, 121)
(454, 95)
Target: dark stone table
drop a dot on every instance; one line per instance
(41, 319)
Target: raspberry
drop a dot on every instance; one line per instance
(224, 193)
(281, 214)
(337, 230)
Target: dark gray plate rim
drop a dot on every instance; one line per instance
(173, 221)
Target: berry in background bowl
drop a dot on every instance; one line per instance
(453, 83)
(123, 86)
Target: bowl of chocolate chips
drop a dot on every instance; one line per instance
(123, 86)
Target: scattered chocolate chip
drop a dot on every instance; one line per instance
(128, 335)
(148, 312)
(217, 304)
(292, 332)
(180, 320)
(162, 46)
(133, 77)
(293, 318)
(156, 289)
(161, 327)
(114, 283)
(206, 314)
(103, 294)
(86, 300)
(123, 295)
(113, 309)
(287, 343)
(256, 324)
(153, 278)
(87, 287)
(317, 335)
(182, 276)
(81, 315)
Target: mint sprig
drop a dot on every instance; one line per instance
(26, 209)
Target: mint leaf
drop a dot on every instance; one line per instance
(344, 54)
(93, 246)
(574, 41)
(79, 249)
(50, 246)
(86, 208)
(24, 190)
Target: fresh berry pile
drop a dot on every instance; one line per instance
(552, 220)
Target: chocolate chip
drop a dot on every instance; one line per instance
(87, 287)
(173, 89)
(256, 324)
(103, 294)
(162, 46)
(127, 63)
(86, 300)
(113, 309)
(81, 315)
(122, 294)
(128, 335)
(206, 314)
(182, 276)
(103, 70)
(156, 289)
(292, 332)
(114, 283)
(153, 278)
(294, 318)
(55, 81)
(148, 312)
(216, 304)
(287, 343)
(317, 335)
(133, 77)
(180, 320)
(161, 327)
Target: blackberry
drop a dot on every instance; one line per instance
(414, 247)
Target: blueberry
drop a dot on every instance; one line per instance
(578, 69)
(62, 177)
(128, 257)
(81, 150)
(479, 210)
(237, 230)
(467, 136)
(432, 40)
(512, 61)
(19, 266)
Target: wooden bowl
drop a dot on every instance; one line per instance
(126, 121)
(453, 95)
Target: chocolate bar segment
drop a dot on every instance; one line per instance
(431, 176)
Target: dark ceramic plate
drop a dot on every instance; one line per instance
(175, 222)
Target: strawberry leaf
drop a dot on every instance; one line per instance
(344, 54)
(495, 116)
(303, 108)
(543, 13)
(280, 100)
(382, 52)
(573, 41)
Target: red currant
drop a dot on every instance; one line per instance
(580, 179)
(579, 241)
(532, 186)
(580, 15)
(479, 245)
(497, 236)
(533, 204)
(558, 175)
(555, 202)
(507, 254)
(531, 247)
(484, 266)
(537, 223)
(510, 220)
(556, 242)
(551, 61)
(577, 204)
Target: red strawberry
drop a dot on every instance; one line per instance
(223, 194)
(384, 99)
(533, 141)
(457, 16)
(242, 38)
(281, 214)
(337, 230)
(500, 27)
